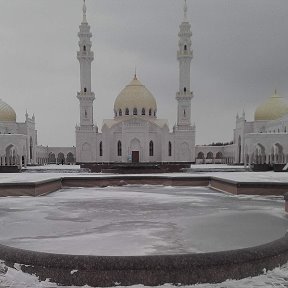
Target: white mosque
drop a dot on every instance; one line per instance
(136, 134)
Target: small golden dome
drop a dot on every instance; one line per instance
(135, 96)
(6, 112)
(273, 108)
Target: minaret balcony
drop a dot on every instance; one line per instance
(185, 54)
(86, 95)
(184, 95)
(85, 55)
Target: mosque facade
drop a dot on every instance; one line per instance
(136, 134)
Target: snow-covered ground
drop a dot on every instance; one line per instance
(260, 177)
(14, 278)
(162, 225)
(54, 167)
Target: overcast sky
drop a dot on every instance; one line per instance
(240, 57)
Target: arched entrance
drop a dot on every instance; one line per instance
(135, 150)
(61, 158)
(51, 158)
(278, 153)
(70, 158)
(260, 154)
(200, 158)
(11, 157)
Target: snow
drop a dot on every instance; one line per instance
(260, 177)
(40, 173)
(14, 278)
(54, 167)
(82, 217)
(216, 166)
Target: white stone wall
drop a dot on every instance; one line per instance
(8, 128)
(86, 145)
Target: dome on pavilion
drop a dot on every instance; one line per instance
(273, 108)
(7, 113)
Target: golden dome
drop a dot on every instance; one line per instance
(273, 108)
(6, 112)
(135, 97)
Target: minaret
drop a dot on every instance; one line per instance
(85, 57)
(184, 56)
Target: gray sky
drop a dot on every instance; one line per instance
(240, 57)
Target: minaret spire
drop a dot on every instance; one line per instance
(185, 10)
(85, 56)
(184, 56)
(84, 12)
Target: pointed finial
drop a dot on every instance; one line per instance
(185, 10)
(135, 73)
(26, 114)
(275, 93)
(84, 12)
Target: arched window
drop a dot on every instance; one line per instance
(115, 113)
(101, 149)
(184, 113)
(150, 112)
(120, 112)
(200, 155)
(126, 111)
(219, 155)
(135, 112)
(143, 112)
(61, 158)
(31, 148)
(84, 48)
(209, 155)
(51, 158)
(185, 89)
(151, 148)
(119, 148)
(85, 90)
(185, 47)
(155, 113)
(169, 149)
(70, 158)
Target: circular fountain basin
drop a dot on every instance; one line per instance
(140, 220)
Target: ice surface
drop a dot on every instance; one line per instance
(140, 220)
